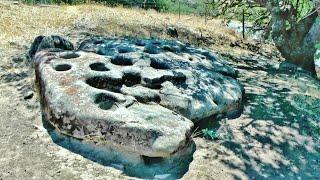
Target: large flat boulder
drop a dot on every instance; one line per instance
(138, 95)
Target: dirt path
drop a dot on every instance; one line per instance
(276, 137)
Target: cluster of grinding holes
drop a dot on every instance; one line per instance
(108, 102)
(114, 84)
(98, 66)
(66, 55)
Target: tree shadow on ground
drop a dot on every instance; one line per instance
(277, 136)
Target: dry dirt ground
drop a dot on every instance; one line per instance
(277, 136)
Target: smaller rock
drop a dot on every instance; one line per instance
(11, 77)
(49, 42)
(172, 32)
(28, 95)
(235, 43)
(19, 58)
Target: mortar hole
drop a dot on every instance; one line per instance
(131, 79)
(151, 160)
(121, 60)
(146, 99)
(140, 43)
(105, 101)
(126, 49)
(98, 67)
(106, 83)
(151, 49)
(158, 64)
(62, 67)
(98, 42)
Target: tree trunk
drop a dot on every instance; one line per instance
(296, 42)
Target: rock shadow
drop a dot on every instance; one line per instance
(133, 166)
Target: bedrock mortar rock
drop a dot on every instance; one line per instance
(138, 95)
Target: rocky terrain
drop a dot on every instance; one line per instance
(275, 137)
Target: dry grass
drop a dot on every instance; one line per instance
(20, 24)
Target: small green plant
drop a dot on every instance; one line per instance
(210, 134)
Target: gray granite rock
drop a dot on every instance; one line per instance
(138, 95)
(49, 42)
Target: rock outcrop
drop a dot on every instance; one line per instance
(141, 96)
(49, 42)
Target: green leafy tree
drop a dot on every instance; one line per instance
(294, 25)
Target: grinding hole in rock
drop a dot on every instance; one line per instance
(147, 99)
(105, 82)
(121, 60)
(152, 49)
(156, 64)
(105, 101)
(151, 160)
(177, 79)
(131, 79)
(98, 42)
(62, 67)
(140, 43)
(126, 49)
(98, 66)
(159, 102)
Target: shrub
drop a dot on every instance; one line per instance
(210, 134)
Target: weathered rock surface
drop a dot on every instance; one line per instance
(138, 95)
(49, 42)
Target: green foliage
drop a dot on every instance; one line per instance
(233, 9)
(258, 13)
(197, 7)
(210, 134)
(303, 7)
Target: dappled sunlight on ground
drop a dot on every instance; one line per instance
(278, 134)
